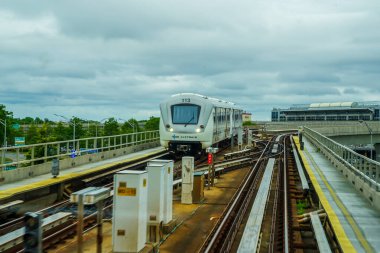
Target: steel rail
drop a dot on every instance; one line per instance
(276, 203)
(286, 229)
(210, 242)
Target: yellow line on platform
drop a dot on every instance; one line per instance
(363, 241)
(341, 235)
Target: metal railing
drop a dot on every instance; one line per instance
(361, 166)
(39, 153)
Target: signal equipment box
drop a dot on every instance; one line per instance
(155, 201)
(168, 188)
(130, 211)
(198, 191)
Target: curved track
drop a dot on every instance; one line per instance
(222, 236)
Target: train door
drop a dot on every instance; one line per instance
(215, 125)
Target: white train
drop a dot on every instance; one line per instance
(190, 123)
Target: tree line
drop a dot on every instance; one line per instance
(44, 130)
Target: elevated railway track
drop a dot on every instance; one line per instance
(271, 200)
(275, 187)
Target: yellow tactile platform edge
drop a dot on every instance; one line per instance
(47, 182)
(341, 235)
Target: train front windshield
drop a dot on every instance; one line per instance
(185, 114)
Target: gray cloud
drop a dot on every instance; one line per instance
(302, 77)
(121, 58)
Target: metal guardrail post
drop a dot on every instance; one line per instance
(18, 157)
(32, 155)
(45, 153)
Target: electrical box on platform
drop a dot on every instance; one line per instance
(155, 192)
(168, 188)
(129, 222)
(198, 190)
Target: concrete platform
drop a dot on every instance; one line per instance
(8, 190)
(355, 222)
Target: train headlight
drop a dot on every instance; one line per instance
(171, 129)
(198, 130)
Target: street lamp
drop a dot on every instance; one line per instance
(370, 132)
(71, 123)
(4, 123)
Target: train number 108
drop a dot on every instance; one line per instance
(185, 100)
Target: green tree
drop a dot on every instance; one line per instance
(38, 120)
(32, 135)
(61, 132)
(127, 127)
(5, 117)
(27, 121)
(46, 120)
(92, 131)
(46, 133)
(152, 124)
(79, 131)
(111, 127)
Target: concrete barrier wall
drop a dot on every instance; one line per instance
(356, 178)
(45, 168)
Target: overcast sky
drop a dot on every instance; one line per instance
(121, 58)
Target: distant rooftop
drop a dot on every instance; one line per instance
(336, 105)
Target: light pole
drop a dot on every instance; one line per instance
(71, 123)
(370, 132)
(4, 123)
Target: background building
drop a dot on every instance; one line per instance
(329, 112)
